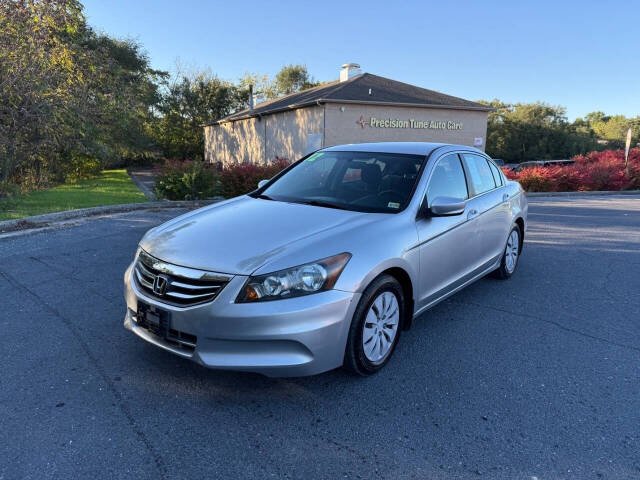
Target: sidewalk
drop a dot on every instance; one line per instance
(143, 178)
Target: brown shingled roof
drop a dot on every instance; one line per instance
(384, 91)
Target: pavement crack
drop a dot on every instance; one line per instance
(71, 276)
(552, 322)
(607, 282)
(121, 402)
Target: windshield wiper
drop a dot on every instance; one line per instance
(319, 203)
(264, 197)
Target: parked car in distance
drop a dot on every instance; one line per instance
(542, 163)
(499, 162)
(325, 264)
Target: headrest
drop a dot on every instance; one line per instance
(403, 168)
(371, 174)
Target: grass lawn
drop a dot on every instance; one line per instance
(110, 188)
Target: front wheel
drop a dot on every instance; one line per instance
(510, 255)
(375, 327)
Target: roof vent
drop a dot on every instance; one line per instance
(349, 70)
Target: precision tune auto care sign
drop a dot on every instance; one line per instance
(410, 123)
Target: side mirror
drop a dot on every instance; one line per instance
(445, 206)
(262, 183)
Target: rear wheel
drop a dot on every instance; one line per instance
(510, 255)
(375, 327)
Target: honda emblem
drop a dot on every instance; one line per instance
(160, 285)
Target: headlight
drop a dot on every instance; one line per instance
(293, 282)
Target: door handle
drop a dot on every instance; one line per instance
(505, 197)
(472, 213)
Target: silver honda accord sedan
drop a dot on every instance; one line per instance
(327, 262)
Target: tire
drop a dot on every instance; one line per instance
(361, 356)
(510, 255)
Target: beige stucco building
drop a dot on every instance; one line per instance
(361, 107)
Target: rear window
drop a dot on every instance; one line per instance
(496, 174)
(481, 178)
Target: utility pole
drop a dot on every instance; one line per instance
(626, 152)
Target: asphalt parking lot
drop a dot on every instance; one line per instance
(536, 377)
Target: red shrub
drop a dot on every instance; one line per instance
(188, 180)
(242, 178)
(536, 179)
(594, 171)
(509, 173)
(605, 170)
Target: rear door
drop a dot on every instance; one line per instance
(490, 207)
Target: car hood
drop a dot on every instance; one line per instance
(240, 235)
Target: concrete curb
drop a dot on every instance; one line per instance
(584, 194)
(38, 221)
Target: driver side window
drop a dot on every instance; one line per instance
(447, 180)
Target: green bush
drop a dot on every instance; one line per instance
(8, 189)
(195, 180)
(186, 180)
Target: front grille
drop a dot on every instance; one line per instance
(179, 286)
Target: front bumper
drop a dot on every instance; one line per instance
(292, 337)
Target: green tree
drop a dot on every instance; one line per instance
(293, 78)
(519, 132)
(290, 79)
(66, 92)
(612, 128)
(595, 117)
(263, 87)
(188, 103)
(126, 91)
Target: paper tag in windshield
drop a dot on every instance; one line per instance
(315, 156)
(393, 205)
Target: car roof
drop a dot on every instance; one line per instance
(412, 148)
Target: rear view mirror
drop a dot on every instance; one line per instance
(443, 206)
(262, 183)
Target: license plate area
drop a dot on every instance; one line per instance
(154, 319)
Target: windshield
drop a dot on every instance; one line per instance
(361, 181)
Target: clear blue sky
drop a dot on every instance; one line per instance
(584, 55)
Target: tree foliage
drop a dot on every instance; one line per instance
(187, 104)
(290, 79)
(67, 92)
(293, 78)
(538, 131)
(612, 128)
(189, 101)
(73, 100)
(520, 132)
